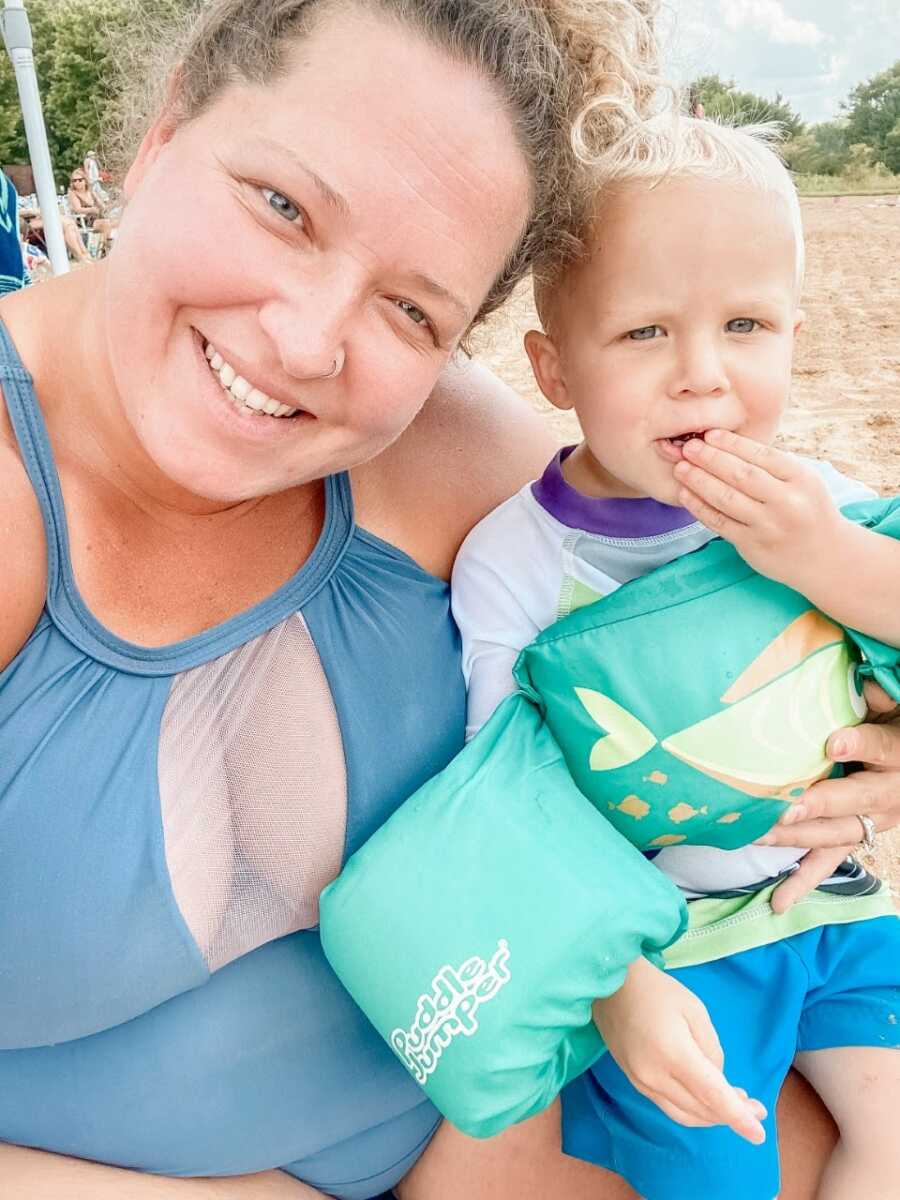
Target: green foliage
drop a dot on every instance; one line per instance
(892, 149)
(820, 149)
(862, 147)
(873, 115)
(840, 185)
(12, 130)
(74, 47)
(720, 98)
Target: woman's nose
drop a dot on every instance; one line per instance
(309, 330)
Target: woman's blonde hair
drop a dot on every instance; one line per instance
(576, 75)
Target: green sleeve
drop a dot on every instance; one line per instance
(476, 927)
(881, 662)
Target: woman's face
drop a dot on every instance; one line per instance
(330, 237)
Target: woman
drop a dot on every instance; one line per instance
(83, 203)
(226, 626)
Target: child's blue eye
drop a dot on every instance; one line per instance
(646, 333)
(742, 325)
(281, 204)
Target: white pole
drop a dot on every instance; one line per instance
(17, 36)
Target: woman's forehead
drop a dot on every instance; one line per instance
(418, 148)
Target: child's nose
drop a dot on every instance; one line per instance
(701, 370)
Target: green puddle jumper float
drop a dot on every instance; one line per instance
(477, 925)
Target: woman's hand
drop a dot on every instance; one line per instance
(827, 817)
(661, 1036)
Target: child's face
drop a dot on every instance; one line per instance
(682, 321)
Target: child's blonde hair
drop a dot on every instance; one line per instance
(675, 146)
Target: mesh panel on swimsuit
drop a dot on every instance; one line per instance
(252, 839)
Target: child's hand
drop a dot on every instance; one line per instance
(775, 511)
(661, 1036)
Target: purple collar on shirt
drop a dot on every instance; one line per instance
(616, 518)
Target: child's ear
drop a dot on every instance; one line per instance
(547, 367)
(799, 320)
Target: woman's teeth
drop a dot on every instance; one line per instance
(243, 394)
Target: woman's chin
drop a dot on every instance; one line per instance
(190, 476)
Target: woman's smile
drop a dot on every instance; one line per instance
(247, 411)
(241, 391)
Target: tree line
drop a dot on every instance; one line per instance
(77, 43)
(76, 49)
(866, 136)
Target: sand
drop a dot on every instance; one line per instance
(846, 396)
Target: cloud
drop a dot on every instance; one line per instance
(769, 17)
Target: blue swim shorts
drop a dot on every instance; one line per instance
(838, 985)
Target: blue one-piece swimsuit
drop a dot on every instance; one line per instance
(168, 817)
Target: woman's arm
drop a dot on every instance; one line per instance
(35, 1175)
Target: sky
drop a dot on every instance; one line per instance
(812, 51)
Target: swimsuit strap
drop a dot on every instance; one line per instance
(34, 446)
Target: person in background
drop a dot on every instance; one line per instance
(95, 179)
(84, 204)
(12, 267)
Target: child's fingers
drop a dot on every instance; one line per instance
(759, 1109)
(721, 1101)
(677, 1102)
(704, 1034)
(767, 458)
(742, 476)
(693, 1118)
(718, 494)
(709, 516)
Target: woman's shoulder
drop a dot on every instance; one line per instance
(474, 444)
(22, 548)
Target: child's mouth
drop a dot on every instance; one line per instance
(672, 448)
(682, 438)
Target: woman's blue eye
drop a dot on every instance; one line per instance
(281, 204)
(742, 325)
(645, 334)
(414, 314)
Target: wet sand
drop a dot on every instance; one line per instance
(846, 396)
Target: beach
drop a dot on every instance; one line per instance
(846, 394)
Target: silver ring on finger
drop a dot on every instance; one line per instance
(867, 842)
